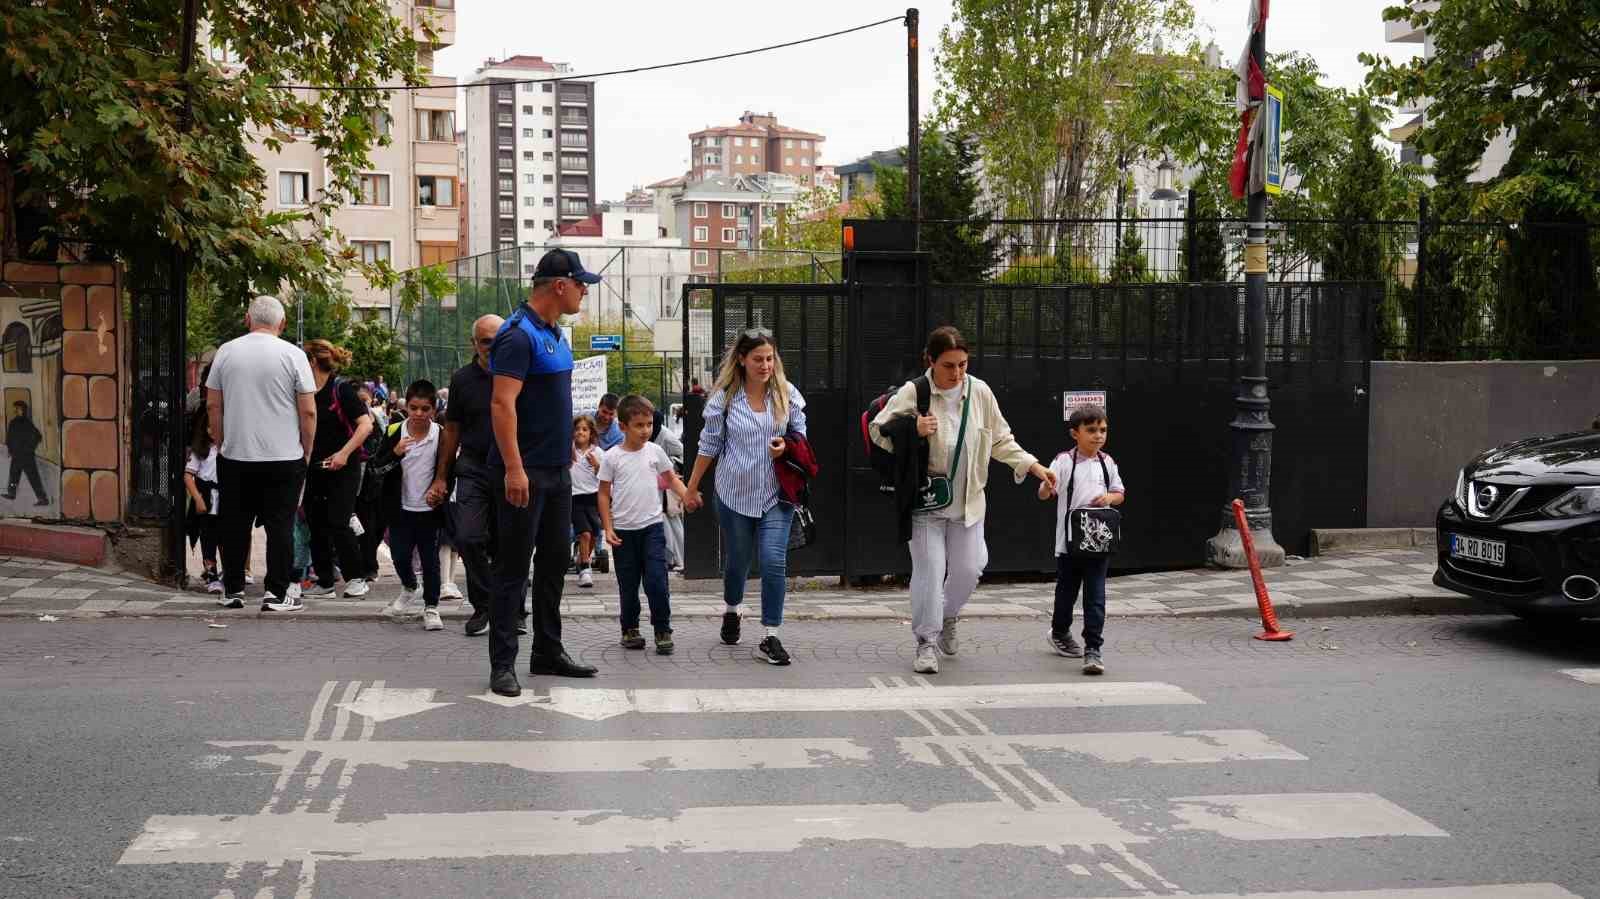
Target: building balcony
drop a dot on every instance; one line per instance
(573, 190)
(575, 166)
(439, 94)
(572, 121)
(441, 20)
(434, 152)
(436, 224)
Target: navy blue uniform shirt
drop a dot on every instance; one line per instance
(535, 353)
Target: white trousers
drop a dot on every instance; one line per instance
(947, 558)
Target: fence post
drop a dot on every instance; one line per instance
(1419, 288)
(1190, 265)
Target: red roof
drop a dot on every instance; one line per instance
(589, 227)
(522, 62)
(668, 182)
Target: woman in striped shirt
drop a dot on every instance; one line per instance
(752, 408)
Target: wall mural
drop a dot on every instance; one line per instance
(30, 379)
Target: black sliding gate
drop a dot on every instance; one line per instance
(1167, 355)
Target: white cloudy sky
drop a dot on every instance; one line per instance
(851, 88)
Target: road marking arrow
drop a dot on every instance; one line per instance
(387, 704)
(600, 704)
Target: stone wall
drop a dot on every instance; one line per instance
(65, 321)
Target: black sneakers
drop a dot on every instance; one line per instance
(730, 628)
(478, 624)
(1092, 664)
(1064, 645)
(631, 639)
(504, 682)
(773, 652)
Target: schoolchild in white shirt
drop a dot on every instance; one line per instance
(1094, 483)
(632, 475)
(586, 455)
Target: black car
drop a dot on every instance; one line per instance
(1523, 528)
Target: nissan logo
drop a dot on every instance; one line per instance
(1488, 495)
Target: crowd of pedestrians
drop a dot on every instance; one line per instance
(497, 470)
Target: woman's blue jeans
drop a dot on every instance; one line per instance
(745, 538)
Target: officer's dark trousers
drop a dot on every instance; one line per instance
(542, 526)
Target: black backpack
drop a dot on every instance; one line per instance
(881, 459)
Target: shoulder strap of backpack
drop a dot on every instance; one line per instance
(924, 394)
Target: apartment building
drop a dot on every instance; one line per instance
(722, 218)
(405, 210)
(641, 272)
(1415, 110)
(758, 144)
(529, 153)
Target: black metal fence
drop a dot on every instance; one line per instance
(158, 433)
(1452, 290)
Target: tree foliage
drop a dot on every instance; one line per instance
(374, 351)
(1030, 78)
(110, 144)
(960, 246)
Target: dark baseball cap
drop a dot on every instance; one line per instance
(564, 264)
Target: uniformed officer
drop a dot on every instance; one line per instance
(472, 503)
(531, 413)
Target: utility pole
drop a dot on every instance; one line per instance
(1250, 468)
(914, 127)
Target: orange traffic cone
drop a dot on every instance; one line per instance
(1269, 618)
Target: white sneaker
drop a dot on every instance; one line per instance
(927, 659)
(357, 587)
(431, 620)
(248, 580)
(294, 591)
(585, 578)
(270, 603)
(404, 603)
(447, 590)
(948, 644)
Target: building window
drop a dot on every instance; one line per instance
(701, 211)
(738, 141)
(528, 133)
(728, 211)
(505, 118)
(701, 233)
(527, 109)
(549, 179)
(627, 227)
(548, 110)
(527, 87)
(527, 155)
(371, 251)
(727, 235)
(549, 201)
(527, 223)
(436, 190)
(506, 162)
(530, 201)
(577, 139)
(508, 206)
(549, 225)
(507, 185)
(294, 188)
(382, 123)
(788, 143)
(436, 125)
(574, 207)
(574, 163)
(702, 258)
(372, 190)
(549, 88)
(529, 178)
(219, 51)
(743, 235)
(788, 160)
(755, 141)
(549, 156)
(739, 159)
(549, 134)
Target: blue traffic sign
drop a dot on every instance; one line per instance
(605, 342)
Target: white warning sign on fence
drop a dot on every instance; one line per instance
(588, 384)
(1078, 399)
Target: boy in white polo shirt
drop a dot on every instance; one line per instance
(632, 476)
(410, 455)
(1094, 482)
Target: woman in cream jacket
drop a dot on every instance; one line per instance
(947, 550)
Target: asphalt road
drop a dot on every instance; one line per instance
(1408, 757)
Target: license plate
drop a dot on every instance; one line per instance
(1477, 549)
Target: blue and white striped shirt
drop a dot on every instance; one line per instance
(739, 438)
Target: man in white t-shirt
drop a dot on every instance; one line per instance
(260, 397)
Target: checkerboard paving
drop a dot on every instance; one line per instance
(29, 586)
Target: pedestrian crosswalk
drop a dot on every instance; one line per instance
(912, 733)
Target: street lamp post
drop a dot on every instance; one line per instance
(1250, 467)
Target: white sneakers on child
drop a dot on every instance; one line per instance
(404, 605)
(431, 620)
(449, 590)
(356, 587)
(585, 577)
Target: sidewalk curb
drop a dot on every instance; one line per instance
(1366, 607)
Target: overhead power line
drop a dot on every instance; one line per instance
(666, 65)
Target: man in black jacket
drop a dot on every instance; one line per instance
(22, 442)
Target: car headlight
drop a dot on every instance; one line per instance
(1461, 490)
(1577, 501)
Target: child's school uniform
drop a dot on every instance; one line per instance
(586, 491)
(203, 527)
(413, 524)
(1088, 483)
(635, 478)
